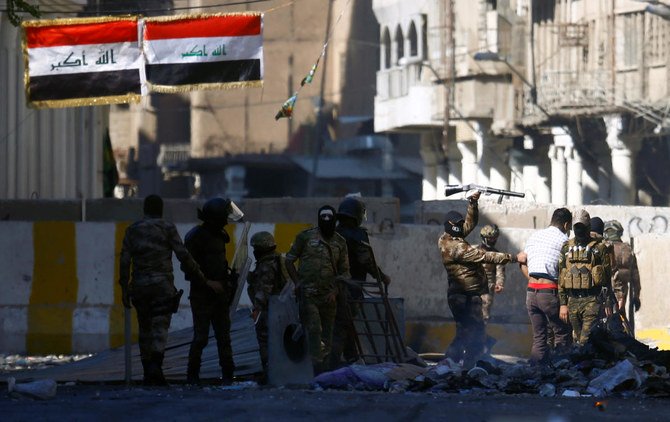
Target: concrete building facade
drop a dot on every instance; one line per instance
(224, 123)
(561, 99)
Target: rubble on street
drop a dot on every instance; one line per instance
(610, 364)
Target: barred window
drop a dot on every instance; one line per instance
(655, 40)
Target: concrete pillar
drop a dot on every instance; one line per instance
(431, 156)
(516, 163)
(575, 170)
(558, 175)
(454, 160)
(623, 163)
(483, 140)
(469, 166)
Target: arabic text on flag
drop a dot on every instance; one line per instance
(206, 51)
(83, 61)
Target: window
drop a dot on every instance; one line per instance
(413, 41)
(399, 45)
(386, 49)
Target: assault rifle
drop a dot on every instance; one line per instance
(454, 189)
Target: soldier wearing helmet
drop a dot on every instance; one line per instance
(211, 306)
(626, 276)
(350, 215)
(495, 273)
(268, 278)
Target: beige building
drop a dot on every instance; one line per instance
(561, 99)
(242, 121)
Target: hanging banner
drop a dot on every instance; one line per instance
(82, 61)
(204, 51)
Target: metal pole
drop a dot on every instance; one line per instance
(126, 345)
(449, 65)
(311, 185)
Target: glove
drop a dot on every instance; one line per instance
(125, 298)
(473, 195)
(637, 304)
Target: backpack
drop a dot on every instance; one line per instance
(584, 267)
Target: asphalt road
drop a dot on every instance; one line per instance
(181, 403)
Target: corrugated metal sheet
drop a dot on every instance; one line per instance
(108, 366)
(51, 153)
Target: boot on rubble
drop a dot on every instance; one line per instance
(156, 373)
(193, 371)
(227, 374)
(146, 366)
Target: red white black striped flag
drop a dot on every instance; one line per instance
(204, 51)
(82, 61)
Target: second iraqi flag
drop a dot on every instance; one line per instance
(207, 51)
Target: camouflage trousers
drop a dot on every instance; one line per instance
(584, 313)
(153, 328)
(318, 316)
(344, 335)
(487, 303)
(470, 339)
(262, 333)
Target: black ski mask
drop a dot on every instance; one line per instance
(453, 223)
(582, 233)
(327, 221)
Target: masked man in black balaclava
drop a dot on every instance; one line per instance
(323, 259)
(467, 282)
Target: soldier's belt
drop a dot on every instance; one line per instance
(583, 292)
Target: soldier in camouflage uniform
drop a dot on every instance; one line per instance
(147, 249)
(210, 304)
(467, 282)
(350, 215)
(323, 260)
(626, 276)
(584, 279)
(495, 273)
(268, 278)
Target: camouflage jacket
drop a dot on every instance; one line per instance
(495, 273)
(626, 273)
(207, 245)
(268, 278)
(322, 261)
(463, 261)
(147, 248)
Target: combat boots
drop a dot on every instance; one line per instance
(193, 371)
(154, 376)
(227, 374)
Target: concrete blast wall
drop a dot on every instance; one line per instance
(60, 293)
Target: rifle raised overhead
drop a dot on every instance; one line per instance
(486, 190)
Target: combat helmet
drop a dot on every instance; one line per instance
(489, 234)
(215, 210)
(490, 231)
(354, 208)
(613, 230)
(263, 241)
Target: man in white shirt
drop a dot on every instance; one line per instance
(543, 249)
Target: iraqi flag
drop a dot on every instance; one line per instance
(205, 51)
(82, 61)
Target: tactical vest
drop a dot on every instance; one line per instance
(623, 254)
(583, 266)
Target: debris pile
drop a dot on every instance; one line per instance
(611, 364)
(12, 363)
